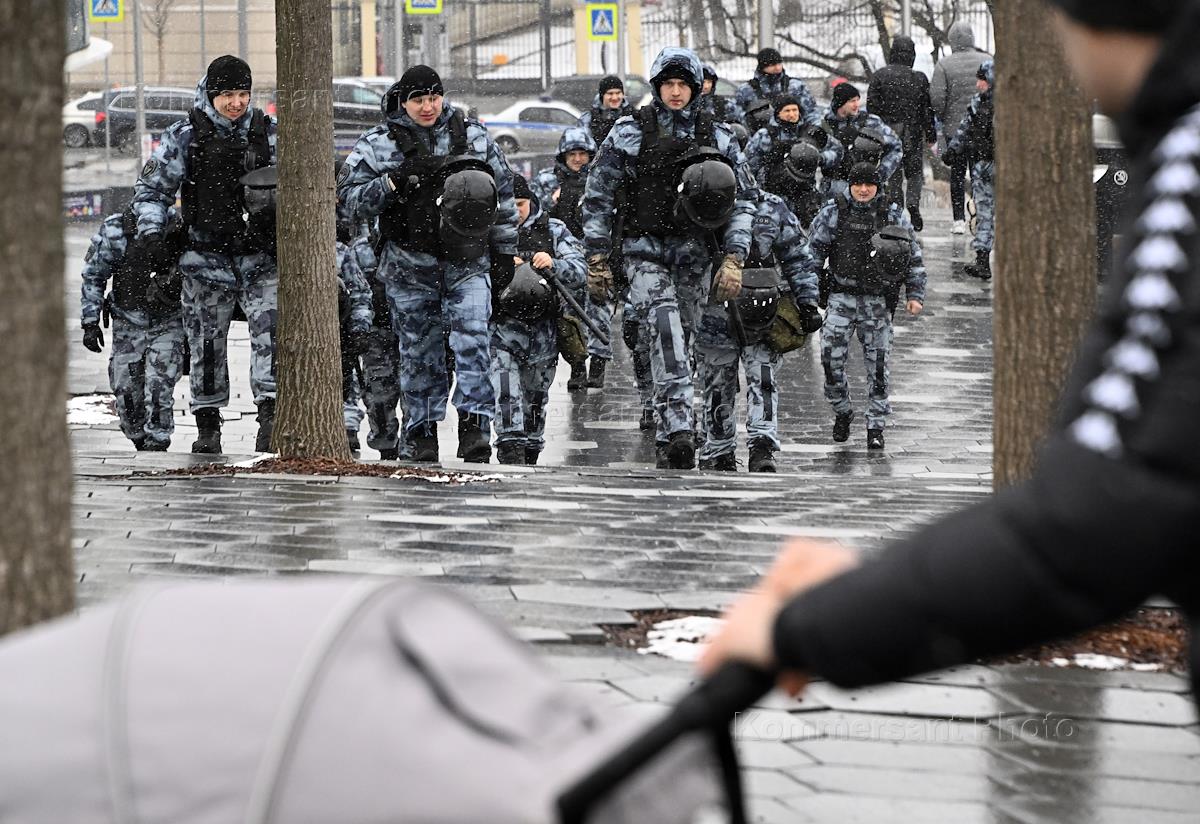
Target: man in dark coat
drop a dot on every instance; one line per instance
(899, 96)
(1108, 518)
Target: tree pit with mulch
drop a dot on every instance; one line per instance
(325, 467)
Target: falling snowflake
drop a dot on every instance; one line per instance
(1114, 392)
(1134, 358)
(1097, 431)
(1151, 291)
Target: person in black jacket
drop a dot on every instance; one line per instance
(899, 95)
(1108, 518)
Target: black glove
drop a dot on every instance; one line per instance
(950, 157)
(150, 240)
(354, 344)
(93, 338)
(402, 182)
(810, 318)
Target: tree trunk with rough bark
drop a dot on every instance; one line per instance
(37, 576)
(1045, 284)
(308, 419)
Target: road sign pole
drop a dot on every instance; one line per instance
(139, 78)
(104, 108)
(621, 40)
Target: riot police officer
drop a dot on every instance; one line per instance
(668, 267)
(872, 255)
(863, 136)
(147, 325)
(202, 159)
(756, 97)
(442, 193)
(974, 143)
(608, 107)
(560, 189)
(524, 336)
(721, 108)
(779, 264)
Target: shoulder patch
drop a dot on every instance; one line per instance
(91, 253)
(344, 173)
(150, 168)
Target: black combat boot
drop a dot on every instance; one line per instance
(155, 446)
(475, 438)
(841, 426)
(208, 424)
(139, 444)
(512, 453)
(661, 461)
(531, 455)
(681, 451)
(266, 423)
(647, 424)
(874, 439)
(914, 214)
(762, 455)
(392, 454)
(352, 440)
(596, 373)
(726, 462)
(425, 443)
(982, 267)
(579, 379)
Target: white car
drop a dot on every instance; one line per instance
(79, 118)
(530, 125)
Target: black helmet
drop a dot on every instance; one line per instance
(867, 147)
(891, 252)
(758, 301)
(707, 188)
(528, 296)
(469, 199)
(802, 161)
(740, 132)
(758, 114)
(816, 136)
(258, 190)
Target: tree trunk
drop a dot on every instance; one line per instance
(37, 576)
(308, 420)
(1045, 288)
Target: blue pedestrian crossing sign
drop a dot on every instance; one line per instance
(106, 11)
(423, 6)
(602, 21)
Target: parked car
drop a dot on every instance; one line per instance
(356, 104)
(530, 125)
(580, 90)
(79, 118)
(380, 83)
(1111, 178)
(164, 105)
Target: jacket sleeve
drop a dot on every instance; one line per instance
(820, 238)
(352, 277)
(543, 186)
(607, 174)
(737, 232)
(893, 151)
(362, 185)
(160, 179)
(939, 91)
(795, 260)
(504, 230)
(914, 282)
(756, 150)
(960, 141)
(570, 263)
(927, 120)
(99, 262)
(831, 155)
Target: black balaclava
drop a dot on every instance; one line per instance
(1145, 16)
(768, 57)
(226, 74)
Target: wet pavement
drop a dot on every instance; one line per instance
(596, 532)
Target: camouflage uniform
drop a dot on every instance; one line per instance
(585, 119)
(525, 355)
(773, 87)
(758, 150)
(669, 276)
(214, 282)
(544, 184)
(973, 138)
(353, 284)
(778, 233)
(421, 288)
(835, 170)
(147, 350)
(870, 315)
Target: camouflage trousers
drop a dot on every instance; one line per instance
(601, 314)
(209, 300)
(352, 414)
(718, 358)
(145, 365)
(425, 294)
(524, 359)
(983, 190)
(637, 341)
(668, 290)
(870, 318)
(381, 388)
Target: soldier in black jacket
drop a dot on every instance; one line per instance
(899, 96)
(1108, 518)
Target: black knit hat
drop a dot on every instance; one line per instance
(768, 57)
(864, 173)
(785, 100)
(226, 74)
(1148, 16)
(610, 82)
(419, 81)
(843, 93)
(521, 190)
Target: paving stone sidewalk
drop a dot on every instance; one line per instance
(554, 551)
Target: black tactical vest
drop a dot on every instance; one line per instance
(569, 208)
(212, 196)
(535, 237)
(776, 180)
(846, 133)
(603, 120)
(983, 136)
(852, 267)
(654, 191)
(132, 275)
(413, 221)
(785, 84)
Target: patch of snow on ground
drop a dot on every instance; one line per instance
(681, 638)
(263, 456)
(91, 410)
(446, 479)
